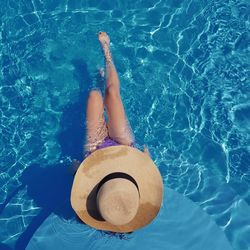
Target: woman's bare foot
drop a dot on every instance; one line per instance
(105, 41)
(100, 78)
(102, 72)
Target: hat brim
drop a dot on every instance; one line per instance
(117, 159)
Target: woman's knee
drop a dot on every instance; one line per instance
(112, 92)
(95, 99)
(95, 95)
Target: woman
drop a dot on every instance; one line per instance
(117, 188)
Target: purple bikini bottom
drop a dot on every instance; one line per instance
(106, 143)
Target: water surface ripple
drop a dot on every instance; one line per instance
(184, 71)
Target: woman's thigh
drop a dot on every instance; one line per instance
(96, 125)
(118, 125)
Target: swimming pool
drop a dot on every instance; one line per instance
(184, 71)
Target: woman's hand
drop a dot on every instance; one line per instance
(146, 151)
(75, 164)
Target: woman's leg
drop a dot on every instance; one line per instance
(118, 125)
(96, 125)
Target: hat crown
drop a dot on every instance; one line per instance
(118, 201)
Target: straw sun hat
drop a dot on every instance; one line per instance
(117, 189)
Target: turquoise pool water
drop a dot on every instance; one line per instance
(184, 71)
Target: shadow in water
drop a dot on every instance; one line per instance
(2, 206)
(72, 136)
(50, 186)
(4, 247)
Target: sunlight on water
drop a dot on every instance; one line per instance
(183, 67)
